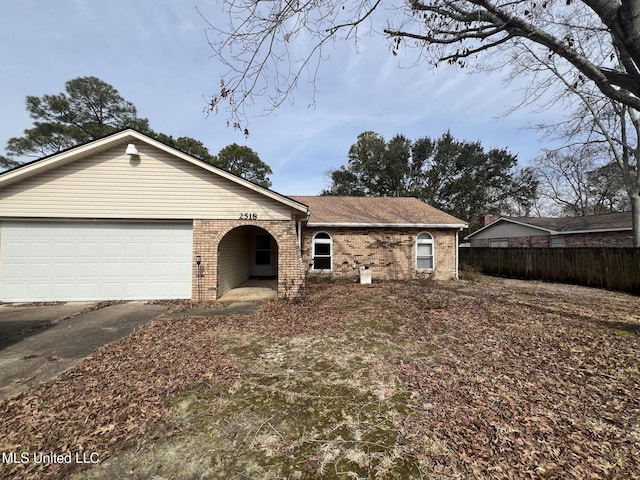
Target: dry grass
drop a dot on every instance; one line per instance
(490, 379)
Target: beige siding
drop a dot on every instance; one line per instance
(234, 258)
(158, 185)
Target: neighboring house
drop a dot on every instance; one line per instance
(127, 217)
(395, 237)
(608, 230)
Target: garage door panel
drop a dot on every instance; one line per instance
(109, 269)
(91, 266)
(60, 289)
(38, 272)
(63, 272)
(38, 250)
(161, 248)
(89, 249)
(135, 269)
(111, 251)
(132, 288)
(98, 261)
(137, 248)
(65, 249)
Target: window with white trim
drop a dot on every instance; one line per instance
(425, 258)
(322, 251)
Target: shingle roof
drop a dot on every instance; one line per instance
(377, 211)
(608, 221)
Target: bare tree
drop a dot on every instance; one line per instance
(597, 132)
(576, 183)
(592, 47)
(608, 189)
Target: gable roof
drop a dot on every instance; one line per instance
(123, 138)
(571, 224)
(330, 211)
(609, 222)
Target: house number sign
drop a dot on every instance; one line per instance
(248, 216)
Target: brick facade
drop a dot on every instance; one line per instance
(207, 235)
(479, 243)
(534, 241)
(609, 239)
(390, 253)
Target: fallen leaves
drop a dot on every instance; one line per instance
(556, 400)
(111, 399)
(502, 379)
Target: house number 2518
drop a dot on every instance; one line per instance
(248, 216)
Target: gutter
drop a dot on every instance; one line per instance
(459, 226)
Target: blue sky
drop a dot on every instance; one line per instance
(155, 53)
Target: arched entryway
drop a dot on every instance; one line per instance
(246, 253)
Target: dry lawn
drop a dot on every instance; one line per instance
(486, 379)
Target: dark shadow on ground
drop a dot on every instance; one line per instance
(14, 331)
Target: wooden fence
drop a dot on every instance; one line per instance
(610, 268)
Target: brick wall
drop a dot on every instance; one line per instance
(609, 239)
(535, 241)
(479, 243)
(207, 235)
(390, 253)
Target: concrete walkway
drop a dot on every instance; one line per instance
(252, 290)
(40, 342)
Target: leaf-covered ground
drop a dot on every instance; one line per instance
(489, 379)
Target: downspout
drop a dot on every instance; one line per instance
(305, 219)
(457, 254)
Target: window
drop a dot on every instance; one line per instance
(263, 249)
(499, 243)
(322, 251)
(558, 242)
(424, 251)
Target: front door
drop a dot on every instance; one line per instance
(262, 256)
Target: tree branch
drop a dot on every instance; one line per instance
(491, 15)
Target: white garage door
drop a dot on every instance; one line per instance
(41, 261)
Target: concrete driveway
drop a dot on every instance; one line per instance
(39, 342)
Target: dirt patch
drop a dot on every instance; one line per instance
(489, 379)
(180, 306)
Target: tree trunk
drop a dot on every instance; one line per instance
(635, 217)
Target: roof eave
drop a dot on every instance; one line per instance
(503, 219)
(458, 226)
(598, 230)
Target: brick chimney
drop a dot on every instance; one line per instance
(487, 219)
